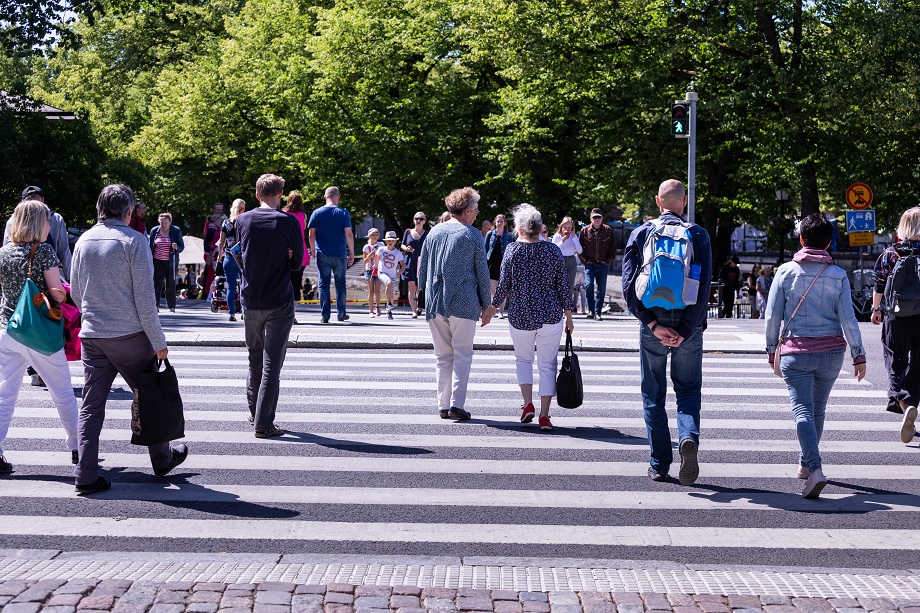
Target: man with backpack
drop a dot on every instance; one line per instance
(667, 268)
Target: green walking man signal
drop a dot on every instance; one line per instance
(680, 119)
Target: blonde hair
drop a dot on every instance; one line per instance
(564, 221)
(166, 215)
(28, 222)
(269, 185)
(909, 228)
(237, 208)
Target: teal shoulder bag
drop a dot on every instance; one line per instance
(35, 323)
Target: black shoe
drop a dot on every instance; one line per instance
(74, 457)
(444, 414)
(589, 316)
(100, 485)
(275, 431)
(232, 318)
(345, 318)
(458, 414)
(599, 318)
(5, 467)
(689, 467)
(325, 320)
(180, 452)
(654, 475)
(250, 418)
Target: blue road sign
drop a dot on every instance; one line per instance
(861, 221)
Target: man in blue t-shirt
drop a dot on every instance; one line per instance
(332, 244)
(272, 246)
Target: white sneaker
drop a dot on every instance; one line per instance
(37, 381)
(907, 424)
(814, 484)
(802, 473)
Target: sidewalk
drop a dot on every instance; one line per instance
(233, 583)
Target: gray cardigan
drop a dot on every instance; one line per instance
(112, 282)
(453, 272)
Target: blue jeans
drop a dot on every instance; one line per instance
(596, 273)
(687, 377)
(810, 377)
(336, 267)
(232, 272)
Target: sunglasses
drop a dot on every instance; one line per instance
(419, 219)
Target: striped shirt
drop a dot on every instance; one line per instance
(162, 248)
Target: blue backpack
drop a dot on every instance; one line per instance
(665, 280)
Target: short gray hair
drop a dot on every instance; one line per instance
(527, 219)
(115, 202)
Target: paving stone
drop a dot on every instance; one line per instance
(131, 607)
(535, 606)
(747, 611)
(681, 600)
(910, 609)
(470, 592)
(22, 607)
(631, 608)
(557, 597)
(241, 587)
(782, 608)
(407, 590)
(565, 608)
(713, 607)
(439, 604)
(657, 602)
(237, 610)
(307, 599)
(595, 597)
(851, 610)
(886, 611)
(337, 607)
(906, 603)
(812, 605)
(310, 589)
(339, 598)
(716, 598)
(112, 587)
(201, 607)
(299, 607)
(404, 602)
(507, 606)
(411, 610)
(474, 603)
(179, 585)
(345, 588)
(376, 591)
(736, 601)
(271, 608)
(63, 600)
(277, 586)
(49, 584)
(235, 602)
(169, 597)
(202, 596)
(875, 604)
(504, 595)
(372, 602)
(774, 600)
(439, 593)
(136, 598)
(277, 597)
(626, 597)
(533, 596)
(76, 586)
(167, 607)
(97, 602)
(59, 609)
(209, 587)
(33, 594)
(686, 609)
(839, 603)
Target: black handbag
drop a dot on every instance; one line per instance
(569, 391)
(156, 413)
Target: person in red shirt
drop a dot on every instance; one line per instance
(138, 217)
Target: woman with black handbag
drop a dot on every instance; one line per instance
(535, 282)
(27, 256)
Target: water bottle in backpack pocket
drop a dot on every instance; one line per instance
(902, 290)
(668, 278)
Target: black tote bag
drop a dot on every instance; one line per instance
(569, 391)
(156, 413)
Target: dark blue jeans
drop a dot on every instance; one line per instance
(596, 273)
(687, 377)
(232, 272)
(267, 333)
(332, 266)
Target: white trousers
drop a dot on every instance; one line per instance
(546, 340)
(453, 351)
(14, 359)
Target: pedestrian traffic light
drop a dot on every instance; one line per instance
(680, 119)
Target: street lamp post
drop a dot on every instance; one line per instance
(782, 195)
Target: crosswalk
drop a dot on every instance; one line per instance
(368, 467)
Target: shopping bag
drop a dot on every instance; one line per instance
(35, 323)
(156, 413)
(569, 391)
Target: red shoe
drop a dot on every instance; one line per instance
(527, 413)
(545, 423)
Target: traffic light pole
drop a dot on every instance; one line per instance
(691, 97)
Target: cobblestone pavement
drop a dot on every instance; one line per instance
(122, 596)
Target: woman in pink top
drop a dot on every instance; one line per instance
(294, 207)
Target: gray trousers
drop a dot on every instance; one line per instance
(267, 333)
(571, 269)
(103, 358)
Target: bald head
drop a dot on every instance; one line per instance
(672, 196)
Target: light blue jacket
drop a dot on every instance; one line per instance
(827, 310)
(453, 273)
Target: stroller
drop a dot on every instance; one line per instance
(219, 295)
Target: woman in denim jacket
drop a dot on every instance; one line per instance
(812, 350)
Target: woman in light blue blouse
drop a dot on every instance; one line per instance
(533, 275)
(454, 277)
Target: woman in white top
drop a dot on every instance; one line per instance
(567, 241)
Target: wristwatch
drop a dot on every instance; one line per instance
(655, 327)
(876, 310)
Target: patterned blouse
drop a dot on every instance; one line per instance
(453, 273)
(885, 263)
(14, 261)
(536, 284)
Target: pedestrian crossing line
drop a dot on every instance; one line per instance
(521, 441)
(555, 468)
(530, 499)
(489, 419)
(431, 386)
(294, 530)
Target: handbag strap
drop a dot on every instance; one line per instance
(32, 257)
(782, 334)
(568, 344)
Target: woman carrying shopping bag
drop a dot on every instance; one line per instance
(27, 256)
